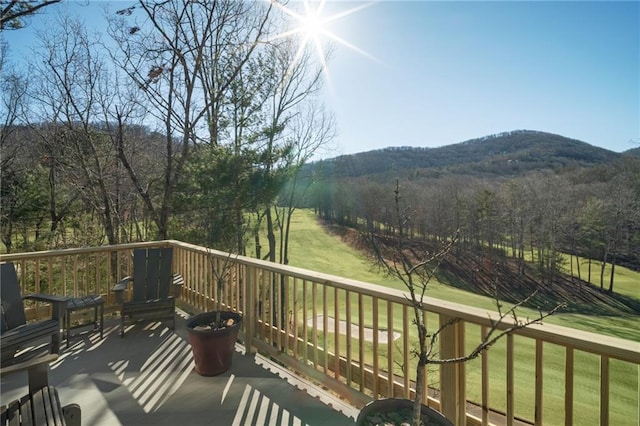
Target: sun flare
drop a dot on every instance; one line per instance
(311, 26)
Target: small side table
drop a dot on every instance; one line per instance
(87, 302)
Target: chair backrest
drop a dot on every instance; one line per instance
(152, 273)
(12, 305)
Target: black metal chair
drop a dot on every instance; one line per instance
(153, 295)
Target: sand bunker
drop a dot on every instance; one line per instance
(383, 335)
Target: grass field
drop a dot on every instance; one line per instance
(625, 281)
(313, 248)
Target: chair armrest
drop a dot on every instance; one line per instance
(51, 298)
(122, 285)
(72, 415)
(37, 370)
(28, 365)
(119, 288)
(58, 303)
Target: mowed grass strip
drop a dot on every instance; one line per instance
(315, 249)
(311, 247)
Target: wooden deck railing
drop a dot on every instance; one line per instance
(356, 338)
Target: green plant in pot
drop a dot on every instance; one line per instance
(213, 335)
(415, 266)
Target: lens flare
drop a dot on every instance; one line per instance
(311, 27)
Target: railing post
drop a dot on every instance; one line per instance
(250, 306)
(452, 375)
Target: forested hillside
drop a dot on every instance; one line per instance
(494, 273)
(634, 151)
(527, 196)
(505, 154)
(177, 121)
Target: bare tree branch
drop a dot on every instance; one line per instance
(14, 10)
(415, 267)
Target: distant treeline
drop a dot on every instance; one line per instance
(590, 212)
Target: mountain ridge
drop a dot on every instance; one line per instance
(503, 154)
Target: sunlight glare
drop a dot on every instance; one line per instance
(311, 27)
(311, 23)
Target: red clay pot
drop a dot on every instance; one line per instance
(213, 349)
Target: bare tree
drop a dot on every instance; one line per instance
(622, 212)
(415, 268)
(15, 11)
(291, 81)
(311, 130)
(14, 99)
(72, 77)
(184, 57)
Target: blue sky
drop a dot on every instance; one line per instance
(452, 71)
(443, 72)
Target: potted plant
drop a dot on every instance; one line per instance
(415, 269)
(213, 334)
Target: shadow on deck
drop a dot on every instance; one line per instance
(148, 378)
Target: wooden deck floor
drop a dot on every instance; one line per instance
(147, 378)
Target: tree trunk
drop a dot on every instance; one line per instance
(271, 236)
(613, 268)
(603, 264)
(417, 404)
(256, 238)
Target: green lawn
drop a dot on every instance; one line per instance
(625, 281)
(313, 248)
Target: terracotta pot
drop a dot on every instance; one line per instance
(213, 349)
(397, 410)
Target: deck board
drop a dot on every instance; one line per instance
(148, 378)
